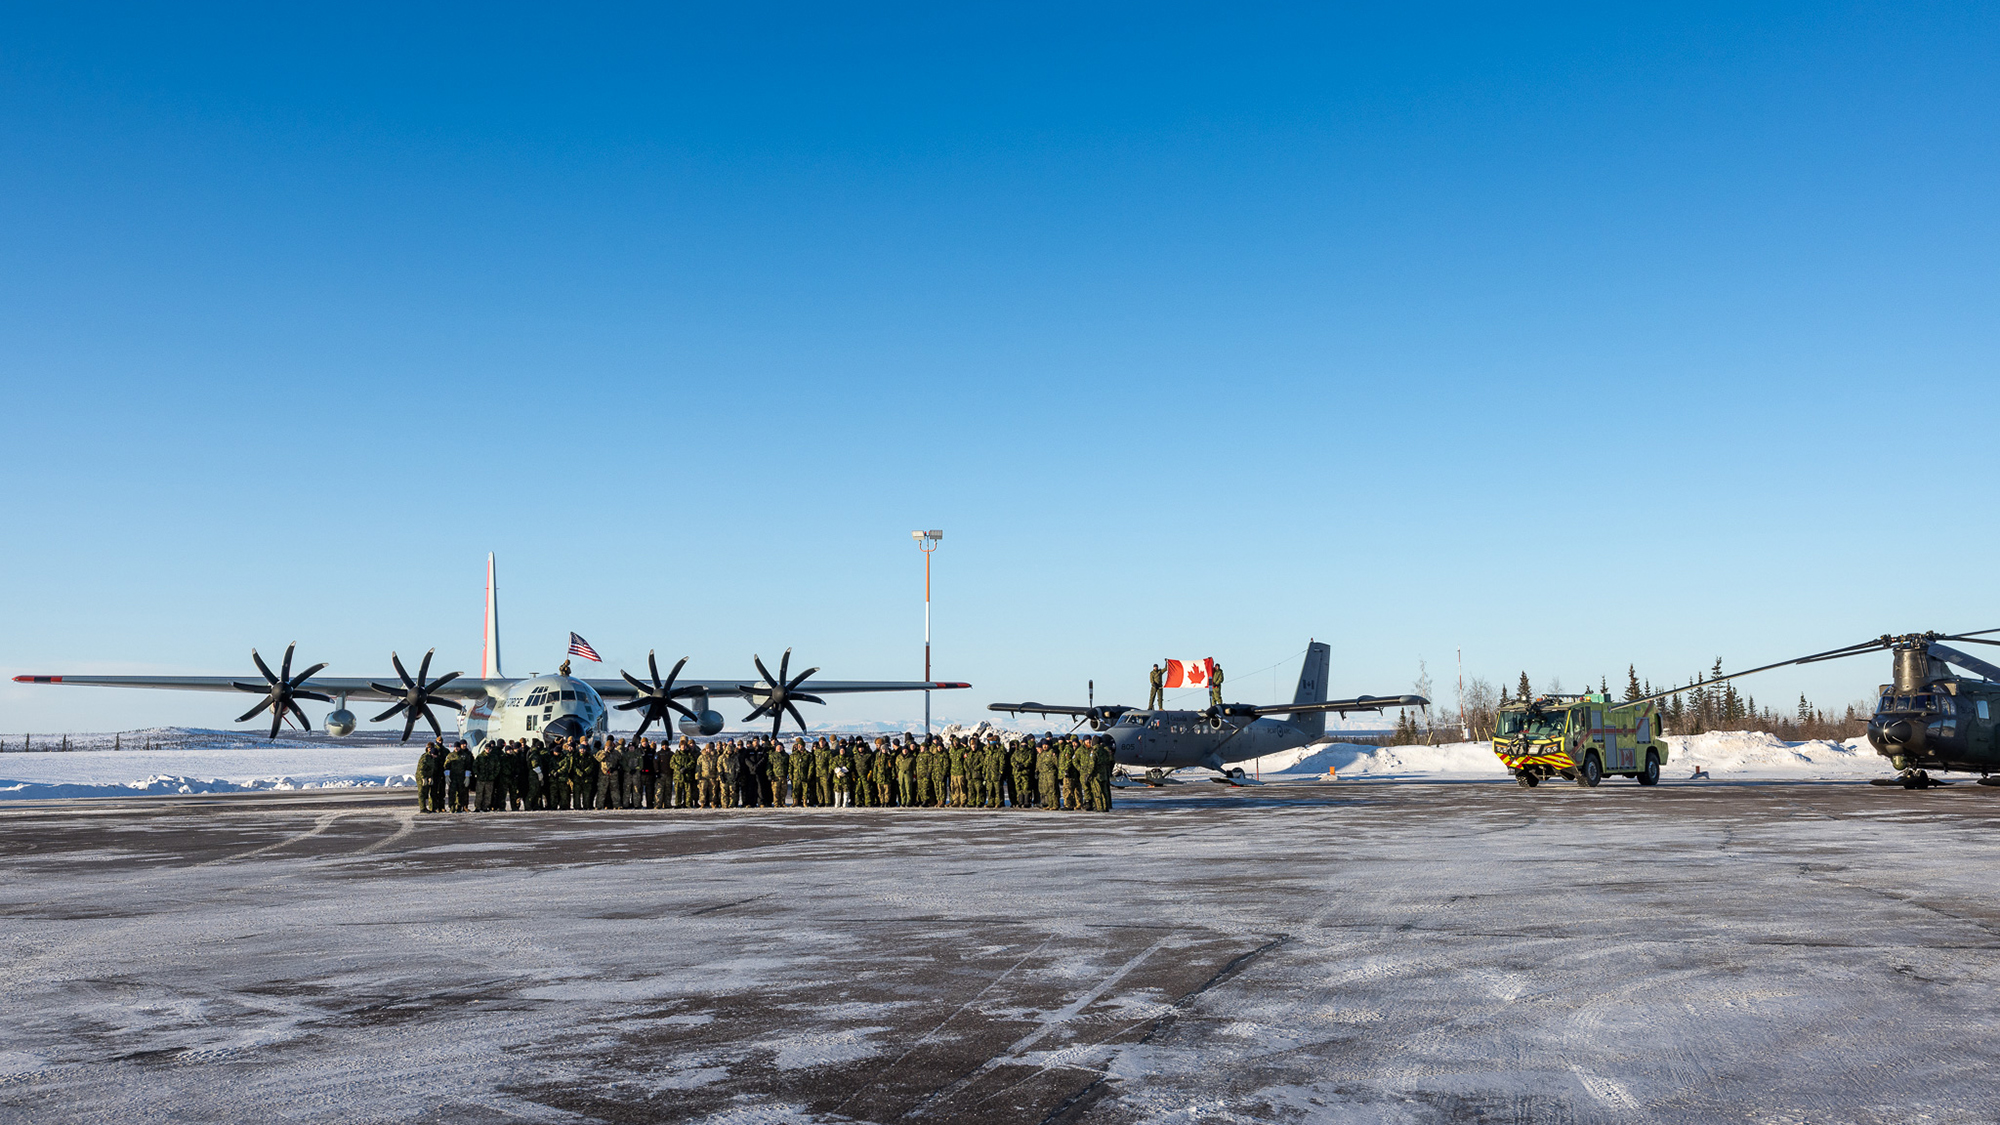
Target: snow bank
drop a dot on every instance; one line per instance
(192, 764)
(1747, 755)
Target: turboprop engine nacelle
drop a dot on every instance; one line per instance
(339, 722)
(707, 724)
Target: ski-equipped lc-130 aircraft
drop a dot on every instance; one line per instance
(494, 706)
(1161, 741)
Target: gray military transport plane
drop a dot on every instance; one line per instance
(1164, 741)
(494, 706)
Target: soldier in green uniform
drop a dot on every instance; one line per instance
(906, 776)
(993, 768)
(1075, 769)
(588, 775)
(523, 787)
(823, 778)
(1215, 686)
(862, 780)
(708, 776)
(798, 772)
(1156, 696)
(683, 762)
(1048, 774)
(1103, 760)
(609, 766)
(1021, 759)
(429, 762)
(482, 775)
(954, 756)
(457, 772)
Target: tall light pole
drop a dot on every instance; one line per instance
(927, 541)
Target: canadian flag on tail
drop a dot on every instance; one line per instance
(1189, 673)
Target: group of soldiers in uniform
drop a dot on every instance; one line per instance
(1052, 772)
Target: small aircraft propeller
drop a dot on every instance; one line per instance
(658, 697)
(281, 691)
(415, 697)
(777, 701)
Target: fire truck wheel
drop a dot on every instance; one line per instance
(1592, 771)
(1651, 774)
(1524, 779)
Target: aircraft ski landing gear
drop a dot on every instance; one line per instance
(1156, 777)
(1238, 773)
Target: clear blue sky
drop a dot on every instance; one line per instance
(1570, 337)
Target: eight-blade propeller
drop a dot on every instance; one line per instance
(777, 700)
(416, 696)
(656, 698)
(281, 691)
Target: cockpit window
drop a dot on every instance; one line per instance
(1548, 724)
(569, 695)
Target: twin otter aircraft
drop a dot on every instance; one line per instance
(493, 706)
(1163, 741)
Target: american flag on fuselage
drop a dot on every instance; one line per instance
(580, 647)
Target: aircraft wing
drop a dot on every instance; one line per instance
(1108, 711)
(1342, 706)
(461, 688)
(468, 688)
(756, 689)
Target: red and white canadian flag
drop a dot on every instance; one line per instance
(1189, 673)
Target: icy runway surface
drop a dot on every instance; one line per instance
(1768, 951)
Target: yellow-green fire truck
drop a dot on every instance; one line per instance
(1581, 738)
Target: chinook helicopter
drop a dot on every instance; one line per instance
(1926, 718)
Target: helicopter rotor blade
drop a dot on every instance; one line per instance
(1964, 660)
(1876, 645)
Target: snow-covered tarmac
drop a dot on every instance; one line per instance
(1742, 951)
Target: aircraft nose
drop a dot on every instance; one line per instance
(1895, 732)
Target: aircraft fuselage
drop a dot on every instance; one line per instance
(1173, 739)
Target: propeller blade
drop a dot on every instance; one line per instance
(785, 666)
(644, 723)
(668, 687)
(794, 713)
(285, 669)
(252, 712)
(801, 679)
(1969, 636)
(632, 704)
(763, 671)
(641, 686)
(778, 724)
(435, 728)
(451, 703)
(753, 716)
(804, 698)
(654, 664)
(384, 715)
(409, 723)
(681, 709)
(1858, 649)
(302, 677)
(263, 667)
(391, 692)
(277, 720)
(260, 689)
(322, 697)
(424, 669)
(398, 662)
(304, 723)
(1971, 640)
(443, 680)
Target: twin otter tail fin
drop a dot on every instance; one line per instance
(1312, 689)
